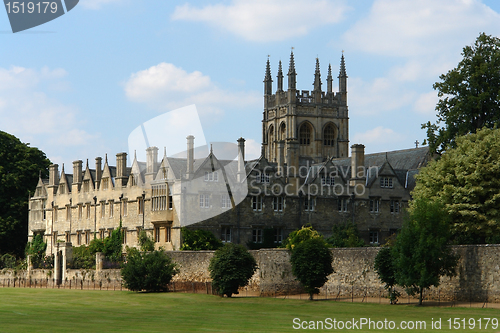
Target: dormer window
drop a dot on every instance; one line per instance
(386, 182)
(263, 177)
(86, 185)
(327, 181)
(62, 188)
(211, 176)
(105, 183)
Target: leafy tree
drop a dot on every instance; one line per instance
(83, 258)
(298, 236)
(7, 261)
(149, 271)
(230, 268)
(466, 181)
(345, 235)
(385, 267)
(96, 245)
(469, 95)
(113, 245)
(20, 166)
(421, 250)
(146, 243)
(36, 250)
(197, 240)
(312, 263)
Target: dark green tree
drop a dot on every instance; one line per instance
(20, 166)
(345, 235)
(311, 264)
(466, 180)
(148, 271)
(113, 245)
(146, 243)
(469, 95)
(298, 236)
(385, 267)
(230, 268)
(197, 240)
(422, 252)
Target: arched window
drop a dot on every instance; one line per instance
(305, 134)
(329, 136)
(282, 131)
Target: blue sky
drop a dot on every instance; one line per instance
(77, 86)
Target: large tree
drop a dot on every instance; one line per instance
(19, 170)
(466, 180)
(469, 95)
(422, 253)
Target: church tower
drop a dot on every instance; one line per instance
(307, 125)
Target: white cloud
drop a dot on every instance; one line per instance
(28, 112)
(264, 20)
(426, 103)
(416, 28)
(252, 149)
(166, 87)
(377, 136)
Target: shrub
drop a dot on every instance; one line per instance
(197, 240)
(150, 271)
(230, 268)
(298, 236)
(113, 245)
(146, 243)
(36, 250)
(7, 261)
(83, 258)
(345, 235)
(312, 263)
(384, 265)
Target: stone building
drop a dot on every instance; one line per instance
(303, 176)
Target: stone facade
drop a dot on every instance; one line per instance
(304, 176)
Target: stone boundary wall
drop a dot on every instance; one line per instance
(478, 274)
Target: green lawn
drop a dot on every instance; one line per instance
(47, 310)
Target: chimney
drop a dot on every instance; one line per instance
(190, 157)
(151, 163)
(53, 175)
(121, 170)
(77, 172)
(241, 160)
(358, 172)
(98, 171)
(281, 158)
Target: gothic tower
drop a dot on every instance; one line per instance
(307, 125)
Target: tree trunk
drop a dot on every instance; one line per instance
(420, 298)
(310, 296)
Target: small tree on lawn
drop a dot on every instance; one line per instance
(386, 270)
(422, 250)
(230, 268)
(150, 271)
(311, 264)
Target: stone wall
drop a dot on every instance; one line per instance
(478, 274)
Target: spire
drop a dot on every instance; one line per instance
(342, 67)
(62, 171)
(343, 79)
(329, 80)
(317, 77)
(87, 165)
(292, 83)
(106, 159)
(164, 151)
(268, 81)
(280, 77)
(135, 155)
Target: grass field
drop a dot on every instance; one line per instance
(46, 310)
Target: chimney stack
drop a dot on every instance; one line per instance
(53, 175)
(151, 163)
(358, 172)
(77, 172)
(121, 170)
(241, 160)
(190, 157)
(98, 171)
